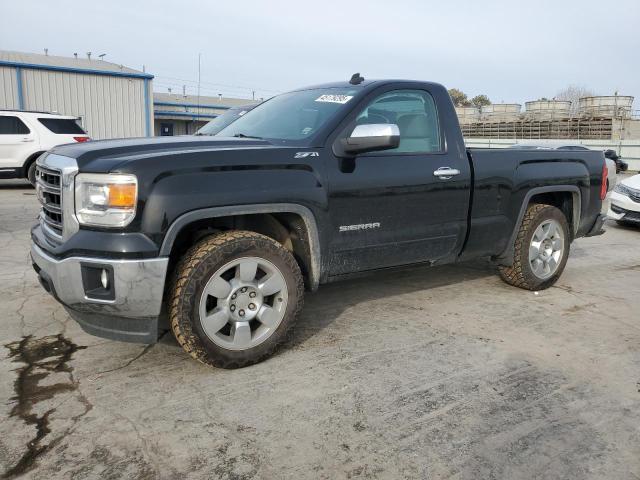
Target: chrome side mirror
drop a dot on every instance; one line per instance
(371, 138)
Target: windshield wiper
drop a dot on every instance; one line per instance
(242, 135)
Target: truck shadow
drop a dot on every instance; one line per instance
(631, 227)
(323, 307)
(16, 185)
(326, 305)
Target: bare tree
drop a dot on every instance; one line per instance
(573, 93)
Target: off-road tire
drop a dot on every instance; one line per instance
(520, 274)
(190, 277)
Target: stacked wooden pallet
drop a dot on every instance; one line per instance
(575, 128)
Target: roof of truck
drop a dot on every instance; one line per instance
(365, 84)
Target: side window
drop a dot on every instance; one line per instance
(414, 112)
(12, 126)
(64, 126)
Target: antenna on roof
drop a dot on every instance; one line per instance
(101, 56)
(356, 79)
(89, 55)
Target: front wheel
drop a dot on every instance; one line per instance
(31, 173)
(541, 249)
(234, 299)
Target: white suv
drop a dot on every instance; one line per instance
(24, 136)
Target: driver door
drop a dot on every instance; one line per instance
(390, 207)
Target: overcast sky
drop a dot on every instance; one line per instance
(511, 50)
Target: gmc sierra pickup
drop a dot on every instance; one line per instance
(217, 237)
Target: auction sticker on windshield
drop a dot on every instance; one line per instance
(334, 98)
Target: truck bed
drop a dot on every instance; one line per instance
(504, 180)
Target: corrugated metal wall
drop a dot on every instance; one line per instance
(194, 126)
(110, 107)
(8, 88)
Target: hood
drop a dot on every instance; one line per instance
(632, 182)
(106, 155)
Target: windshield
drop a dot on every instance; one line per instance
(227, 118)
(292, 117)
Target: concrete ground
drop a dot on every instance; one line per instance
(427, 373)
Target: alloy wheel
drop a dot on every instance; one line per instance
(243, 303)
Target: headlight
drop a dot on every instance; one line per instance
(620, 188)
(106, 200)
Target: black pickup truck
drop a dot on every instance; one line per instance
(218, 237)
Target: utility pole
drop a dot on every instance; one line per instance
(199, 58)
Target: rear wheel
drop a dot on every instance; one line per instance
(541, 249)
(235, 298)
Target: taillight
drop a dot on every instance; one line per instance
(603, 185)
(81, 139)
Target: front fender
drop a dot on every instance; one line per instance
(216, 212)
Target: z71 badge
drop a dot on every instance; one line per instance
(306, 154)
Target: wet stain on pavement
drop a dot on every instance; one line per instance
(630, 267)
(40, 357)
(579, 308)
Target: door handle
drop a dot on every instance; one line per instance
(27, 140)
(445, 173)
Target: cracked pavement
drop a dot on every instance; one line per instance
(424, 373)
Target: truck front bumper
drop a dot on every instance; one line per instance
(127, 309)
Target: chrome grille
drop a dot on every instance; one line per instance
(48, 189)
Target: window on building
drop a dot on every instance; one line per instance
(12, 126)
